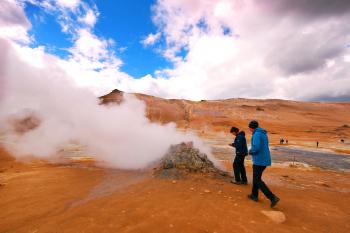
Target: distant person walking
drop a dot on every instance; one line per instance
(240, 143)
(317, 144)
(281, 141)
(261, 159)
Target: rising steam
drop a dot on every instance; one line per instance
(41, 111)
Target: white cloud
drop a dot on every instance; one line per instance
(271, 52)
(88, 45)
(347, 58)
(151, 39)
(240, 48)
(89, 19)
(72, 4)
(13, 22)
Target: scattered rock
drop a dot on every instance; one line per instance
(174, 182)
(322, 184)
(182, 159)
(207, 191)
(276, 216)
(192, 189)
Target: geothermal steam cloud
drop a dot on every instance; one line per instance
(41, 111)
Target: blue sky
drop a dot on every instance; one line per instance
(203, 49)
(126, 22)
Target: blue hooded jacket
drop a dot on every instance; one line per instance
(260, 148)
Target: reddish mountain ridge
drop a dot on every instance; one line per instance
(302, 123)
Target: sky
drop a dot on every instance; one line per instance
(192, 49)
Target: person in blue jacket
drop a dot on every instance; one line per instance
(240, 143)
(261, 159)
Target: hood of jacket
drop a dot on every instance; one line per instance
(260, 130)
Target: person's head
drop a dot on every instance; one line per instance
(253, 125)
(234, 130)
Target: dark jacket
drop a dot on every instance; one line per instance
(240, 143)
(260, 148)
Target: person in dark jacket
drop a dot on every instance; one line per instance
(261, 159)
(240, 144)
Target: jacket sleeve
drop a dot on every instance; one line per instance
(255, 144)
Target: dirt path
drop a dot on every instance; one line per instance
(39, 197)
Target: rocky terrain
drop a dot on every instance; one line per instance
(184, 191)
(183, 159)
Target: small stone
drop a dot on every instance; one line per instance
(174, 182)
(207, 191)
(276, 216)
(235, 204)
(219, 192)
(192, 189)
(229, 197)
(322, 183)
(123, 211)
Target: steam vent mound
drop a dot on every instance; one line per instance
(182, 159)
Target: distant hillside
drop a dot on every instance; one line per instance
(299, 121)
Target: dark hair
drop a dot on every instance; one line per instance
(253, 124)
(234, 129)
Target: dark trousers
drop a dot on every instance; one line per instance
(259, 184)
(239, 169)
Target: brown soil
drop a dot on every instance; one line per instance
(80, 197)
(39, 197)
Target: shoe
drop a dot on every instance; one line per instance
(274, 201)
(244, 182)
(236, 182)
(251, 197)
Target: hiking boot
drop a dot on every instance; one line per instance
(244, 182)
(274, 201)
(251, 197)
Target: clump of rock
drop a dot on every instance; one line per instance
(182, 159)
(275, 216)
